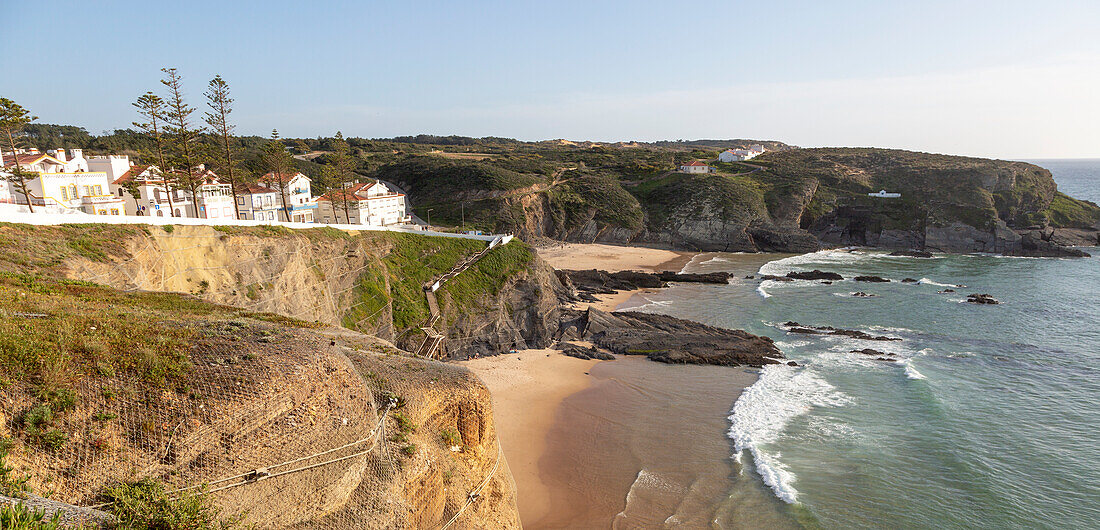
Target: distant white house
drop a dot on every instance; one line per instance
(371, 203)
(740, 155)
(696, 166)
(882, 194)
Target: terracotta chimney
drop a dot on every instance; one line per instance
(59, 154)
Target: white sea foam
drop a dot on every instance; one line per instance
(764, 409)
(926, 281)
(911, 372)
(820, 258)
(650, 304)
(716, 260)
(761, 291)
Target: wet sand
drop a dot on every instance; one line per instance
(645, 445)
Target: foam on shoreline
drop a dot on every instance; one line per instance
(763, 411)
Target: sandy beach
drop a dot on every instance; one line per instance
(528, 388)
(612, 258)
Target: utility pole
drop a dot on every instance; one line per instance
(463, 210)
(429, 217)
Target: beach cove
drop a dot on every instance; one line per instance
(626, 443)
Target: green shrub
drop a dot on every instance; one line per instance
(404, 424)
(450, 437)
(18, 517)
(409, 450)
(146, 504)
(168, 228)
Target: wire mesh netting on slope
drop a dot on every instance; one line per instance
(270, 419)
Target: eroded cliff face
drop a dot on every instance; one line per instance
(329, 279)
(524, 313)
(304, 425)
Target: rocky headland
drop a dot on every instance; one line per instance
(786, 200)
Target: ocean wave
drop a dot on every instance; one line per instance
(650, 303)
(760, 290)
(911, 372)
(764, 409)
(926, 281)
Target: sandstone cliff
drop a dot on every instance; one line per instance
(310, 426)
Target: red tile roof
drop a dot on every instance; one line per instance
(284, 178)
(130, 174)
(257, 188)
(695, 163)
(27, 160)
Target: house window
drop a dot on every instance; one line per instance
(114, 211)
(72, 191)
(270, 216)
(64, 193)
(240, 201)
(98, 189)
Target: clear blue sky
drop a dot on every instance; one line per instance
(997, 78)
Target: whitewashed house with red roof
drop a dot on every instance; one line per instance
(696, 166)
(300, 205)
(371, 203)
(64, 183)
(152, 199)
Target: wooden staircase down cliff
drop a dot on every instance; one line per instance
(433, 339)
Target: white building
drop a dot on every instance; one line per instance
(740, 155)
(300, 205)
(258, 202)
(883, 194)
(215, 200)
(152, 199)
(65, 183)
(696, 166)
(372, 203)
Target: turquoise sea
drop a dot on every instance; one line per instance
(988, 416)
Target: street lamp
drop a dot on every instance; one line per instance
(430, 217)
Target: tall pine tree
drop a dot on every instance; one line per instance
(12, 119)
(279, 163)
(152, 108)
(221, 105)
(183, 135)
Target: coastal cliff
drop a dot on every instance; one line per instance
(291, 423)
(786, 200)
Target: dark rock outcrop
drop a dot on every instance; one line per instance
(871, 278)
(814, 275)
(981, 299)
(603, 282)
(945, 291)
(869, 351)
(861, 294)
(795, 327)
(775, 278)
(584, 352)
(672, 340)
(909, 280)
